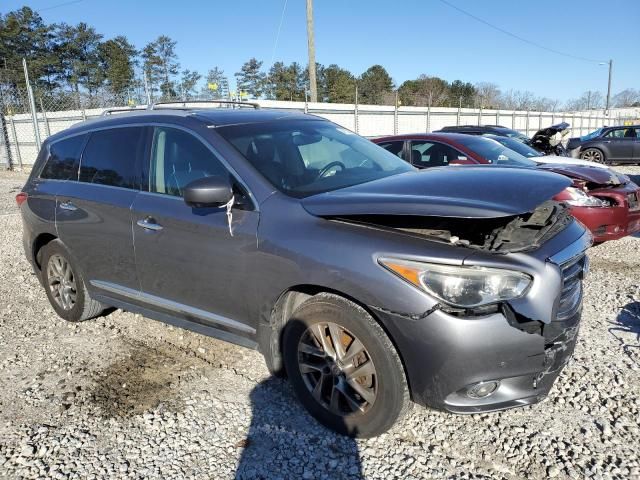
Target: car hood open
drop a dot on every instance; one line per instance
(461, 192)
(552, 130)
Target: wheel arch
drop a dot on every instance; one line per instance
(36, 248)
(270, 332)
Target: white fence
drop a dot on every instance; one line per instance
(367, 120)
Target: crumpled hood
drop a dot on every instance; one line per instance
(557, 160)
(592, 175)
(552, 130)
(461, 191)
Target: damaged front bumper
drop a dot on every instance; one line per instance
(470, 364)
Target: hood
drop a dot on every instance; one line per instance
(463, 192)
(549, 132)
(555, 160)
(595, 176)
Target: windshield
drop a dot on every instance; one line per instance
(305, 157)
(516, 146)
(494, 152)
(591, 135)
(517, 135)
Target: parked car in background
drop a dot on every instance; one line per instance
(608, 145)
(605, 201)
(548, 140)
(367, 282)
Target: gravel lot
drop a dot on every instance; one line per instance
(127, 397)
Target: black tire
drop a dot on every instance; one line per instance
(594, 155)
(83, 306)
(391, 399)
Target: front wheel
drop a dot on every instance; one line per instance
(593, 155)
(343, 367)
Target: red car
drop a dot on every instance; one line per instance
(606, 202)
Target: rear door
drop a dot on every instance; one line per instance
(93, 213)
(193, 262)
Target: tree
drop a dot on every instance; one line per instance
(418, 92)
(286, 82)
(188, 83)
(117, 57)
(374, 84)
(216, 77)
(587, 101)
(250, 78)
(627, 98)
(77, 50)
(488, 94)
(336, 84)
(23, 34)
(161, 65)
(461, 92)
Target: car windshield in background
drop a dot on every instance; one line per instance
(516, 134)
(303, 157)
(591, 135)
(494, 152)
(516, 146)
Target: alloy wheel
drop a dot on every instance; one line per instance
(62, 282)
(337, 369)
(593, 155)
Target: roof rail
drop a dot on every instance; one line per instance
(185, 102)
(109, 111)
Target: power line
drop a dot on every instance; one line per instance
(59, 5)
(502, 30)
(275, 44)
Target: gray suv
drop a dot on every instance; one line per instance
(367, 283)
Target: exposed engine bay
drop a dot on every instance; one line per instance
(519, 233)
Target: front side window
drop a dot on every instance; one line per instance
(432, 154)
(305, 157)
(110, 157)
(177, 159)
(620, 133)
(393, 147)
(64, 159)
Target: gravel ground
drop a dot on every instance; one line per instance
(127, 397)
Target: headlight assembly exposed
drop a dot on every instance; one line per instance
(579, 198)
(464, 287)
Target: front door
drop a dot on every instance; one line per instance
(93, 210)
(193, 262)
(620, 143)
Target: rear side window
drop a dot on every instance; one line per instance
(110, 157)
(64, 159)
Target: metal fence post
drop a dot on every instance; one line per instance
(355, 111)
(513, 119)
(497, 117)
(395, 115)
(5, 147)
(46, 120)
(15, 141)
(480, 115)
(527, 124)
(84, 115)
(459, 108)
(429, 114)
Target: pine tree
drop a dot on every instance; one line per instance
(251, 79)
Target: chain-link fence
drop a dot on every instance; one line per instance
(56, 111)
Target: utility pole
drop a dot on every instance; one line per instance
(313, 87)
(32, 105)
(606, 110)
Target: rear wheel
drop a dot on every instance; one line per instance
(343, 367)
(65, 285)
(593, 155)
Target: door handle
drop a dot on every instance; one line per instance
(149, 224)
(68, 206)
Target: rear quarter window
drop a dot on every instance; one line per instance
(110, 157)
(64, 159)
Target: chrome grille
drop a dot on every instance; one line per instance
(571, 295)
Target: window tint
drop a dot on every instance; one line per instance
(432, 154)
(393, 147)
(177, 159)
(620, 133)
(110, 157)
(64, 159)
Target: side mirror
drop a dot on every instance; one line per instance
(208, 192)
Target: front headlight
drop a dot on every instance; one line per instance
(464, 287)
(578, 198)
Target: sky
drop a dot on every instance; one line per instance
(407, 37)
